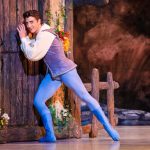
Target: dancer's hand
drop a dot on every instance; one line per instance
(22, 30)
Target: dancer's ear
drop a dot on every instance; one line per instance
(39, 21)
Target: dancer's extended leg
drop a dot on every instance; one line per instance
(46, 90)
(72, 80)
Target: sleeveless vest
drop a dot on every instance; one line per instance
(55, 59)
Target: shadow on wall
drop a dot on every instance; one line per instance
(116, 38)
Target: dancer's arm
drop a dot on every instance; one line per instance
(35, 49)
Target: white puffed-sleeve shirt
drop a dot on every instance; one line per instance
(37, 48)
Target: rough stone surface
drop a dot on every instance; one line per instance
(116, 38)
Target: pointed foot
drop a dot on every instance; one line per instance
(113, 133)
(50, 139)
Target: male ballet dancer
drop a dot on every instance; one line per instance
(46, 45)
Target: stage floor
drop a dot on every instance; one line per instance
(132, 138)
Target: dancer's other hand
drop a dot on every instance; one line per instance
(22, 30)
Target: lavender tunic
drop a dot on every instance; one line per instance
(55, 59)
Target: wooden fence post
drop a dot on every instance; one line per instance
(110, 98)
(95, 94)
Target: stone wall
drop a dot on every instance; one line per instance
(116, 38)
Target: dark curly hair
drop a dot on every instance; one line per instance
(32, 13)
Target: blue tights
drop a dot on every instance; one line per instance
(72, 80)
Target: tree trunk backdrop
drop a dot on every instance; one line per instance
(19, 77)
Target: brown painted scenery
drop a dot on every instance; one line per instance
(116, 38)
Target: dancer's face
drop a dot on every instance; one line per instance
(33, 25)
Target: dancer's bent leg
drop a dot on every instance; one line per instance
(72, 80)
(46, 90)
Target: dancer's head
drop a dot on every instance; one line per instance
(32, 20)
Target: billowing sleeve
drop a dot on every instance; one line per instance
(35, 50)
